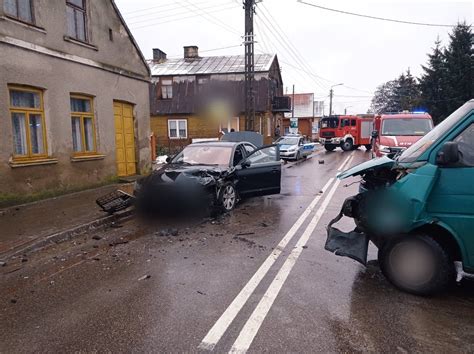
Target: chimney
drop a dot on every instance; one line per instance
(159, 55)
(191, 51)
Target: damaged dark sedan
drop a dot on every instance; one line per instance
(210, 176)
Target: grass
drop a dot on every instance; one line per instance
(12, 199)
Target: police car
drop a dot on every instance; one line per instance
(294, 147)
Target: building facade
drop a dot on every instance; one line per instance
(74, 93)
(198, 97)
(305, 115)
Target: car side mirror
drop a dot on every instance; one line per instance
(168, 159)
(245, 164)
(448, 154)
(375, 133)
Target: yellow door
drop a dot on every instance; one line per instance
(124, 139)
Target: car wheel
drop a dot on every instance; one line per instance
(347, 145)
(298, 156)
(227, 197)
(417, 264)
(368, 147)
(329, 147)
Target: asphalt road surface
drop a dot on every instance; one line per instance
(257, 280)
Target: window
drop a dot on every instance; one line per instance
(166, 89)
(83, 131)
(76, 19)
(177, 128)
(264, 155)
(465, 142)
(29, 133)
(20, 9)
(353, 123)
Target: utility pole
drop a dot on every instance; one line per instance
(293, 103)
(331, 92)
(249, 6)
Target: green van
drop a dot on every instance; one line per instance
(417, 208)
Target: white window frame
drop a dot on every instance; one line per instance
(229, 124)
(177, 128)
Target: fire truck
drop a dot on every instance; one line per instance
(347, 132)
(394, 132)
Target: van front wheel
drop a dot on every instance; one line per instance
(417, 264)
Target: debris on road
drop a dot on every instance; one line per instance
(201, 293)
(321, 162)
(96, 237)
(245, 233)
(3, 264)
(119, 242)
(147, 276)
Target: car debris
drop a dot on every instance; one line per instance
(146, 276)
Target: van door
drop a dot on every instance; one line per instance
(452, 198)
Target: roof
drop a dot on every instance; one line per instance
(210, 65)
(130, 35)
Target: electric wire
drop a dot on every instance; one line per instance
(375, 17)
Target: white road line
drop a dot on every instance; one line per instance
(219, 328)
(249, 331)
(342, 166)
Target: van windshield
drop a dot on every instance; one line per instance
(417, 149)
(406, 126)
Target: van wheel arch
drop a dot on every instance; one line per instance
(444, 237)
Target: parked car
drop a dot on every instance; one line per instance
(211, 174)
(417, 207)
(294, 147)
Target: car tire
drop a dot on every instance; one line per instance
(368, 147)
(227, 198)
(439, 267)
(329, 147)
(347, 145)
(298, 156)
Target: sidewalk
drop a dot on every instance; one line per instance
(27, 224)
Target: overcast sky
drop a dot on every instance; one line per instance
(316, 48)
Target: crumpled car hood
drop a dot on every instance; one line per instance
(366, 166)
(178, 173)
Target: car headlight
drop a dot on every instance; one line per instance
(384, 148)
(293, 148)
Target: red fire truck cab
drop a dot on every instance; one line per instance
(394, 132)
(346, 132)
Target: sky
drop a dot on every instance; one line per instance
(316, 48)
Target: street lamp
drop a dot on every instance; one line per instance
(330, 97)
(345, 109)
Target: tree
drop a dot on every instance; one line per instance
(459, 67)
(433, 84)
(396, 95)
(407, 92)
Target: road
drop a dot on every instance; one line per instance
(255, 280)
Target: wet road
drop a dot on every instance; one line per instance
(257, 279)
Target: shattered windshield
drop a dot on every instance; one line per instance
(329, 122)
(417, 149)
(406, 126)
(204, 155)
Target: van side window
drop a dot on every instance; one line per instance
(465, 142)
(353, 122)
(345, 123)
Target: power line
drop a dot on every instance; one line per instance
(287, 43)
(375, 17)
(143, 21)
(162, 11)
(208, 50)
(211, 18)
(180, 18)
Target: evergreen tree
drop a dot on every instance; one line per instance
(433, 84)
(459, 67)
(407, 92)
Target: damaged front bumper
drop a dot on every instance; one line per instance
(353, 244)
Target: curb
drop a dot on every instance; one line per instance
(68, 234)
